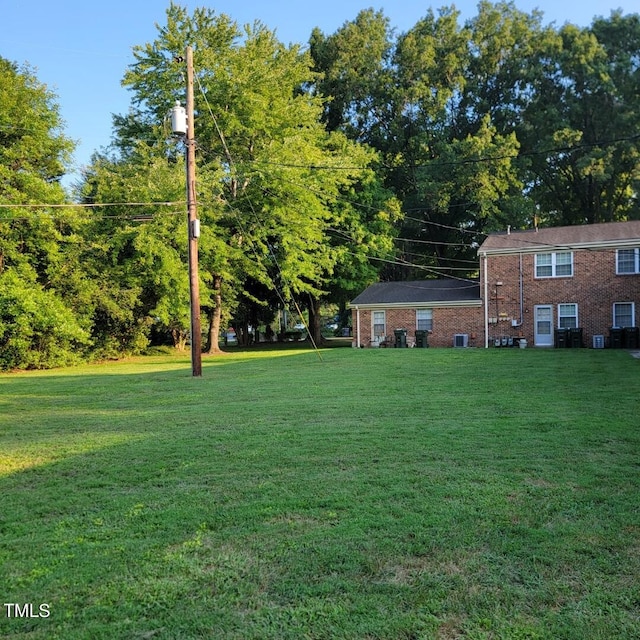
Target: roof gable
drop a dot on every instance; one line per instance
(586, 236)
(441, 292)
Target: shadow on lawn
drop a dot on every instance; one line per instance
(91, 532)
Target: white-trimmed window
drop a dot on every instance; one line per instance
(424, 319)
(627, 261)
(567, 316)
(554, 265)
(624, 314)
(379, 324)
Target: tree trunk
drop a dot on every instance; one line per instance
(314, 320)
(242, 332)
(215, 314)
(179, 339)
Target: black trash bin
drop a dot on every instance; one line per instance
(421, 339)
(575, 337)
(561, 338)
(615, 338)
(401, 338)
(631, 337)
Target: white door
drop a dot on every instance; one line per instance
(543, 325)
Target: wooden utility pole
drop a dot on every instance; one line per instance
(193, 226)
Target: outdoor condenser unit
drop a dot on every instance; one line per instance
(461, 340)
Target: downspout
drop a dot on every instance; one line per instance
(521, 294)
(357, 343)
(486, 303)
(519, 322)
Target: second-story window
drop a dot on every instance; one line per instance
(554, 265)
(628, 261)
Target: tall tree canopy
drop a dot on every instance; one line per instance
(38, 277)
(581, 127)
(500, 121)
(272, 181)
(368, 154)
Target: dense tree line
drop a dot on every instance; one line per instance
(366, 154)
(500, 121)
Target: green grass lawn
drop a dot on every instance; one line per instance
(366, 494)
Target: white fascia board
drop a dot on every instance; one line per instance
(416, 305)
(630, 243)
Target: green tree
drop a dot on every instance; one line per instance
(136, 250)
(581, 127)
(37, 329)
(32, 156)
(362, 239)
(499, 122)
(269, 173)
(438, 158)
(353, 67)
(39, 326)
(507, 47)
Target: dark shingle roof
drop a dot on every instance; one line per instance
(419, 291)
(607, 234)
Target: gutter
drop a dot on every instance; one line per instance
(526, 247)
(417, 305)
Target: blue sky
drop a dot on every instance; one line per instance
(81, 49)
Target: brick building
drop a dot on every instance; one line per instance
(560, 286)
(444, 308)
(541, 283)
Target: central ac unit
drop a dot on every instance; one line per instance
(461, 340)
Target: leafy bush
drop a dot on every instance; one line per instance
(37, 330)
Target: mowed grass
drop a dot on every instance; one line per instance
(370, 494)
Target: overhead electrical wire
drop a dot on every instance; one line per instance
(514, 156)
(437, 162)
(434, 242)
(396, 261)
(230, 159)
(312, 167)
(432, 270)
(92, 205)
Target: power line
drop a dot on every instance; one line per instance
(434, 242)
(437, 162)
(403, 263)
(446, 226)
(230, 159)
(523, 154)
(339, 198)
(94, 205)
(114, 216)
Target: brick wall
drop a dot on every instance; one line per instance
(447, 321)
(594, 287)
